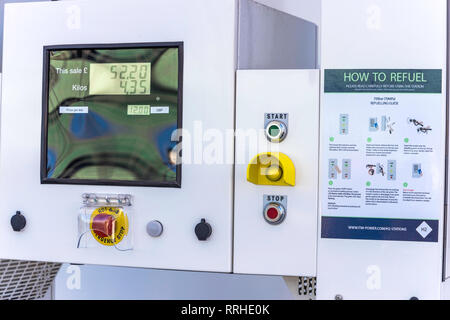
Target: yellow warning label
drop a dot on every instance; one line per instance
(109, 225)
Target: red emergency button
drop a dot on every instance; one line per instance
(274, 213)
(103, 225)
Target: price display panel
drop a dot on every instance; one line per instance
(112, 115)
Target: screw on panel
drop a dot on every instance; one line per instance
(338, 297)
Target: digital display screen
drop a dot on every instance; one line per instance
(134, 110)
(119, 78)
(111, 113)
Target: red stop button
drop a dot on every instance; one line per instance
(274, 213)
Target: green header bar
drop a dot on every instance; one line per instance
(383, 80)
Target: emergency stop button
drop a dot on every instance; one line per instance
(103, 225)
(276, 131)
(274, 213)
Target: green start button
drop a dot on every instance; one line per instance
(276, 131)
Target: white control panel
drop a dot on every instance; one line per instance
(52, 210)
(93, 169)
(335, 173)
(275, 222)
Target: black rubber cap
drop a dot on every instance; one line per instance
(203, 230)
(18, 222)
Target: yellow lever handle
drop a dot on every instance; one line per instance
(274, 169)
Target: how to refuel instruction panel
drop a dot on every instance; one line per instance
(382, 154)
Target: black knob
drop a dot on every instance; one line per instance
(203, 230)
(18, 222)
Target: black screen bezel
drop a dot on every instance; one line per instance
(45, 96)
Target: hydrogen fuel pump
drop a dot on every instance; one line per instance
(201, 135)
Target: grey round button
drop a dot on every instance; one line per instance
(154, 228)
